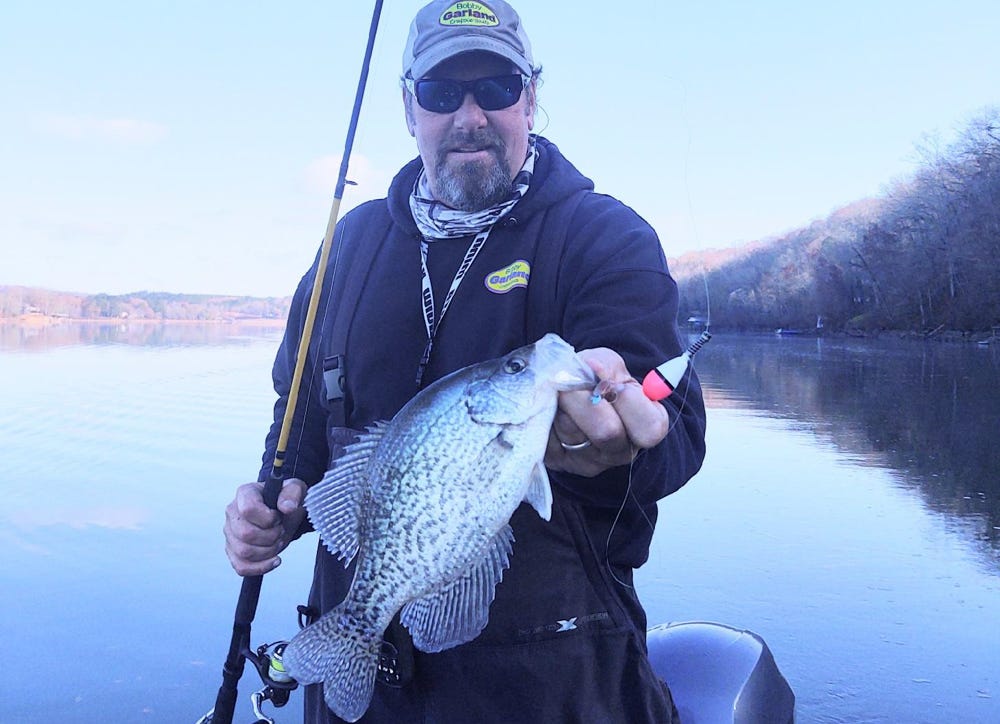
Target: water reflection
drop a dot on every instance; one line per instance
(928, 410)
(122, 517)
(46, 335)
(127, 449)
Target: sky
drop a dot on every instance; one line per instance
(193, 147)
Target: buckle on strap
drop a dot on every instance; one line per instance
(333, 377)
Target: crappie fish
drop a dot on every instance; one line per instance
(424, 502)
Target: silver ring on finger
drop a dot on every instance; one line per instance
(576, 446)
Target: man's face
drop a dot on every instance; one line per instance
(471, 155)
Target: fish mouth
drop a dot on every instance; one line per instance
(581, 377)
(568, 371)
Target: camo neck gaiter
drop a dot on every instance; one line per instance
(437, 221)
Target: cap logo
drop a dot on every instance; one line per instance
(510, 277)
(469, 13)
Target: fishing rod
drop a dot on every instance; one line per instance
(267, 659)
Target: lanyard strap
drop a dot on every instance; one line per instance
(432, 322)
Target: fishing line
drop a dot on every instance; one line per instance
(671, 373)
(618, 515)
(630, 494)
(683, 358)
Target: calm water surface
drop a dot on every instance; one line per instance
(849, 512)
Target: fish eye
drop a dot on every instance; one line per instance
(514, 365)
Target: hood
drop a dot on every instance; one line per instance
(554, 179)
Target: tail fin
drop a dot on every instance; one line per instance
(339, 651)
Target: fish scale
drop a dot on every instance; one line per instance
(421, 527)
(424, 503)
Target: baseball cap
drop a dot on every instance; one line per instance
(445, 28)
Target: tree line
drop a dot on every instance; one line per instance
(16, 301)
(924, 257)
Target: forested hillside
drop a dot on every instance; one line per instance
(924, 257)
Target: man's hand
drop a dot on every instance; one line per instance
(617, 427)
(256, 534)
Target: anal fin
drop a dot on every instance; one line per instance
(459, 612)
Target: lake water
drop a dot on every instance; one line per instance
(848, 511)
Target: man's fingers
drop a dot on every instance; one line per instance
(293, 493)
(255, 534)
(646, 422)
(580, 419)
(246, 566)
(251, 550)
(617, 426)
(608, 446)
(239, 528)
(249, 506)
(565, 426)
(606, 363)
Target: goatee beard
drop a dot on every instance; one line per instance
(473, 186)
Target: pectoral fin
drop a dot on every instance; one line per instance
(539, 495)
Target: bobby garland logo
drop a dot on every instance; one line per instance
(469, 13)
(510, 277)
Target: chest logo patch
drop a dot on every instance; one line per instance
(510, 277)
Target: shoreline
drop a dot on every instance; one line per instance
(44, 320)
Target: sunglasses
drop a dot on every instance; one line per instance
(447, 96)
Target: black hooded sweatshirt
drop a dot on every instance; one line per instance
(566, 636)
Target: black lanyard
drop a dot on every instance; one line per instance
(431, 322)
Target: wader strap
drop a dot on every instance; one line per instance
(350, 271)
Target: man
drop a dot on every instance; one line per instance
(507, 241)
